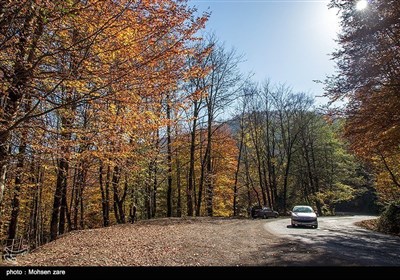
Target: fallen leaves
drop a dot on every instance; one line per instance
(160, 242)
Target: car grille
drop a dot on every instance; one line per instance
(305, 220)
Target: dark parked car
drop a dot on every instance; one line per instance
(263, 212)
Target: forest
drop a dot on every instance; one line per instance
(109, 104)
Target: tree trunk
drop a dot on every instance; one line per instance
(62, 172)
(81, 187)
(256, 142)
(147, 202)
(270, 147)
(74, 198)
(169, 160)
(121, 201)
(154, 193)
(59, 203)
(189, 195)
(63, 210)
(105, 206)
(178, 183)
(116, 204)
(77, 192)
(65, 214)
(235, 187)
(147, 198)
(273, 171)
(267, 188)
(261, 179)
(248, 178)
(209, 178)
(285, 183)
(201, 181)
(34, 231)
(82, 215)
(18, 181)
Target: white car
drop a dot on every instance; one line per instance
(303, 215)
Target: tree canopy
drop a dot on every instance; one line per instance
(368, 68)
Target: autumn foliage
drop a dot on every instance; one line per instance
(368, 78)
(106, 105)
(82, 90)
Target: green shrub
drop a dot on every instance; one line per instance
(389, 222)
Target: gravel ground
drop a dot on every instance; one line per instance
(176, 242)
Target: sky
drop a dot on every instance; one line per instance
(287, 41)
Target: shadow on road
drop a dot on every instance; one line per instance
(299, 227)
(338, 248)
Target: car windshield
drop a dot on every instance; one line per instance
(303, 209)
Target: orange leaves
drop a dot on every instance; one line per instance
(368, 75)
(373, 125)
(387, 177)
(225, 153)
(137, 53)
(93, 79)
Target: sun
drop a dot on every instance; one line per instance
(361, 5)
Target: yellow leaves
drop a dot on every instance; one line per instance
(113, 109)
(103, 69)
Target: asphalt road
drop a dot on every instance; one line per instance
(339, 237)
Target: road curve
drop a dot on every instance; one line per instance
(340, 237)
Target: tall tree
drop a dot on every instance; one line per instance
(169, 157)
(195, 90)
(222, 84)
(369, 77)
